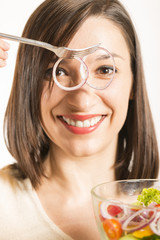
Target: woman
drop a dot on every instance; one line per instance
(59, 158)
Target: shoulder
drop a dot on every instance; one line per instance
(9, 189)
(14, 202)
(9, 179)
(12, 190)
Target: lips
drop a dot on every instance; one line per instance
(81, 124)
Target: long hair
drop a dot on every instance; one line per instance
(56, 22)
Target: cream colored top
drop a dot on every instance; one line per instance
(22, 216)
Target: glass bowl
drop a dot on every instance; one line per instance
(120, 216)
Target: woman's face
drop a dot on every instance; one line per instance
(87, 121)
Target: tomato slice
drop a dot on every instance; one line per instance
(112, 228)
(158, 207)
(114, 210)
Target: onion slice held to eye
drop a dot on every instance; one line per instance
(139, 220)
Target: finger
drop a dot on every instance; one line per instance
(4, 45)
(3, 54)
(2, 63)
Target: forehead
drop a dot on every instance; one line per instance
(101, 30)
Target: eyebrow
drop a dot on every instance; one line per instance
(106, 56)
(116, 55)
(101, 57)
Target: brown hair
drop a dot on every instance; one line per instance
(56, 22)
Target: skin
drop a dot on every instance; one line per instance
(112, 101)
(77, 162)
(4, 47)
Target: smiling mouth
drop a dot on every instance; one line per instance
(83, 126)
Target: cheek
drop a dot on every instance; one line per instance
(50, 103)
(47, 103)
(117, 98)
(121, 87)
(51, 97)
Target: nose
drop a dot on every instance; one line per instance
(83, 99)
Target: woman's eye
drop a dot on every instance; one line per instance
(48, 74)
(105, 70)
(60, 72)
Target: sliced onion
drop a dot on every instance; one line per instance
(139, 219)
(120, 217)
(152, 204)
(155, 225)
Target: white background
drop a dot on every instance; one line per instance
(146, 17)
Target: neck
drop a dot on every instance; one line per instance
(80, 174)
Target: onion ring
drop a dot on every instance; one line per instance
(121, 216)
(155, 225)
(139, 219)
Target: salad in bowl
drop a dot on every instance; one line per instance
(128, 209)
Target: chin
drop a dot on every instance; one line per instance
(84, 151)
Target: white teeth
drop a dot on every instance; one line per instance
(86, 123)
(67, 120)
(93, 121)
(72, 123)
(81, 124)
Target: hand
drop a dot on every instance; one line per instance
(4, 47)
